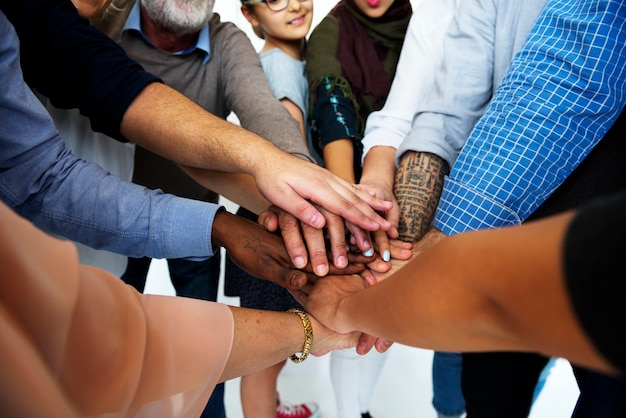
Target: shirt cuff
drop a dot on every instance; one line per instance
(189, 234)
(463, 209)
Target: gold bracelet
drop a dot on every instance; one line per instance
(308, 336)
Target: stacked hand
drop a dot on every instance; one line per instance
(263, 254)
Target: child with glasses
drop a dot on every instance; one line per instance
(283, 25)
(351, 60)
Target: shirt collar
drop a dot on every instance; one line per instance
(202, 43)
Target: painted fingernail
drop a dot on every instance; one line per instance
(368, 253)
(386, 255)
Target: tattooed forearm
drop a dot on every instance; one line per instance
(417, 188)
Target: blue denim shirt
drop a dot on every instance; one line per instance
(44, 182)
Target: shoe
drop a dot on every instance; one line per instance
(304, 410)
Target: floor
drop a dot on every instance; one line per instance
(404, 390)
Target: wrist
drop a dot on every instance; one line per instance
(307, 344)
(221, 227)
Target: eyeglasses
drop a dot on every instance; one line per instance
(273, 5)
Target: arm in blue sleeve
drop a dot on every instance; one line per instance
(42, 181)
(463, 84)
(74, 64)
(565, 89)
(419, 61)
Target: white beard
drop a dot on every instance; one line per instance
(179, 16)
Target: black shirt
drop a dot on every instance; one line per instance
(74, 64)
(595, 277)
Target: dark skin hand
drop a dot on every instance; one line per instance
(263, 254)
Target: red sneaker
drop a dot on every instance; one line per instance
(304, 410)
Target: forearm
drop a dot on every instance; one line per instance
(239, 188)
(137, 222)
(261, 339)
(379, 167)
(296, 113)
(167, 123)
(417, 188)
(479, 292)
(339, 157)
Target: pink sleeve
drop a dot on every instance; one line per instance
(77, 341)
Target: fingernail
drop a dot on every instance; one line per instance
(342, 261)
(347, 248)
(386, 255)
(382, 346)
(368, 253)
(299, 262)
(316, 221)
(321, 270)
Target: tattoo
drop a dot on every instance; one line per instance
(417, 188)
(253, 243)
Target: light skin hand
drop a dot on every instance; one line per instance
(306, 244)
(377, 179)
(432, 237)
(399, 251)
(297, 186)
(380, 239)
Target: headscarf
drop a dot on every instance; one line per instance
(367, 51)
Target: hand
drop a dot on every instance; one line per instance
(295, 185)
(299, 237)
(323, 298)
(366, 342)
(326, 340)
(398, 250)
(382, 238)
(263, 254)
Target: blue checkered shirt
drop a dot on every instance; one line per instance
(564, 90)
